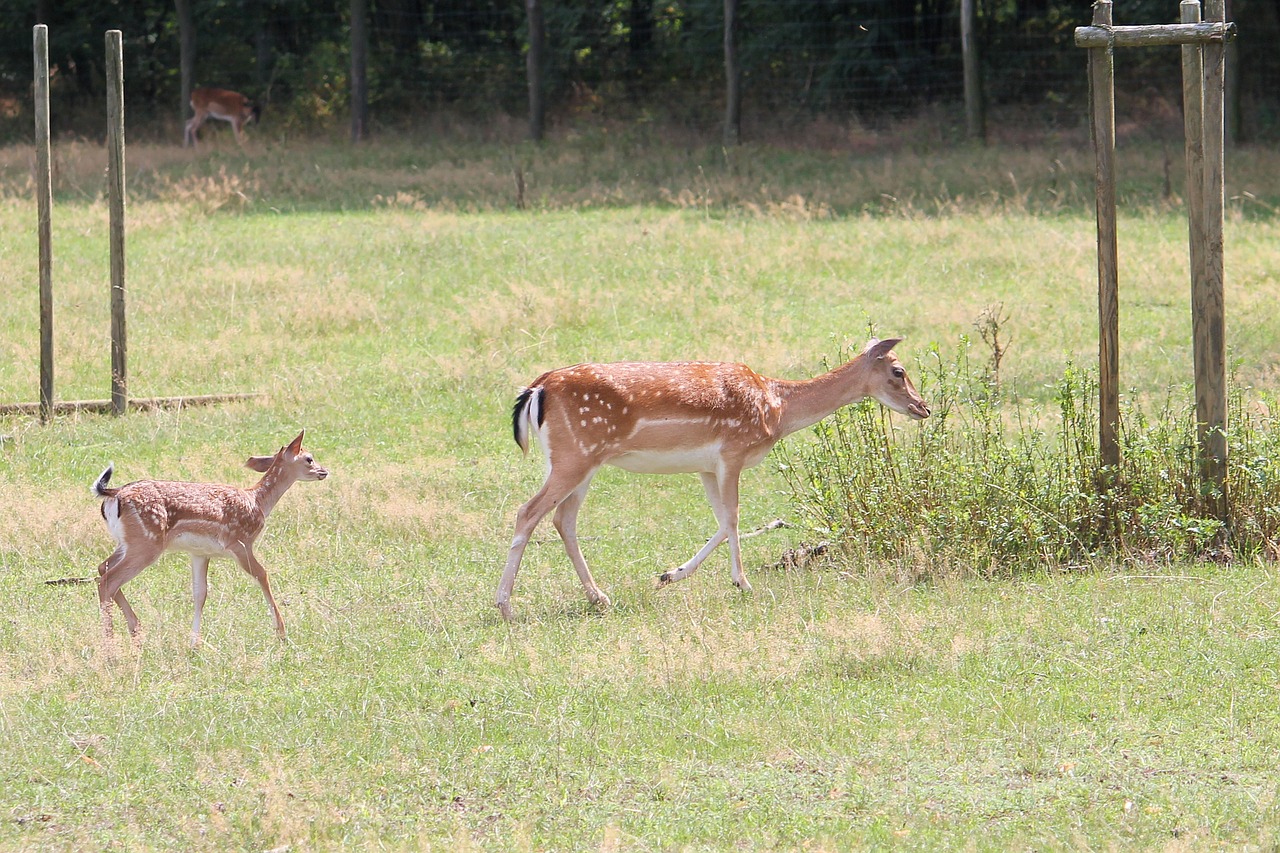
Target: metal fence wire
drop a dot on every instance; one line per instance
(864, 61)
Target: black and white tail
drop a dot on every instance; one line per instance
(527, 411)
(100, 487)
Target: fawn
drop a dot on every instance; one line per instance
(146, 518)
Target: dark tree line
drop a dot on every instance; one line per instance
(665, 59)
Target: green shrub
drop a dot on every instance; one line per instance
(995, 483)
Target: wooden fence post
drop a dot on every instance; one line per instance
(1102, 93)
(1207, 313)
(1204, 47)
(44, 206)
(115, 192)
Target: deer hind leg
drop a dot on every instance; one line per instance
(199, 592)
(244, 556)
(189, 136)
(566, 522)
(556, 489)
(117, 570)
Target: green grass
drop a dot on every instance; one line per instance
(839, 707)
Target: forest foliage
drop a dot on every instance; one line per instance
(850, 60)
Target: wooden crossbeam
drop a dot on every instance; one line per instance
(104, 406)
(1153, 35)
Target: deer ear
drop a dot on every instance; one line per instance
(259, 463)
(879, 349)
(295, 446)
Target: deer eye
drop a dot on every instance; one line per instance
(899, 373)
(308, 459)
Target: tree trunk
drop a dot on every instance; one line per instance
(186, 54)
(732, 76)
(359, 69)
(1235, 109)
(975, 117)
(639, 47)
(534, 67)
(263, 58)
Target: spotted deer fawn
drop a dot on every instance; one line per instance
(709, 419)
(146, 518)
(220, 104)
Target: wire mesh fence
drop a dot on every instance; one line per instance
(864, 61)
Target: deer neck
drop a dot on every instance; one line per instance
(270, 489)
(807, 401)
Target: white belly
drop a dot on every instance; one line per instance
(688, 460)
(197, 544)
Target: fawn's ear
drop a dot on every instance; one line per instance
(879, 349)
(259, 463)
(295, 446)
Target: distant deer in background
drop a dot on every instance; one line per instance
(710, 419)
(146, 518)
(220, 104)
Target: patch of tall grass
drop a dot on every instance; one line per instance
(889, 176)
(998, 483)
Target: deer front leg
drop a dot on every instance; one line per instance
(244, 556)
(713, 497)
(727, 512)
(199, 592)
(724, 503)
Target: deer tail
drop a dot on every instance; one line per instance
(527, 410)
(100, 486)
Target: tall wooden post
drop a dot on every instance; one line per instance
(1193, 132)
(1204, 47)
(1208, 316)
(1102, 93)
(44, 208)
(115, 193)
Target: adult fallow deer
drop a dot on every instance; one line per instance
(146, 518)
(221, 104)
(710, 419)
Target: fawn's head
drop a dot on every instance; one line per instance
(893, 387)
(292, 460)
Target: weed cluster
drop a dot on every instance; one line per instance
(993, 484)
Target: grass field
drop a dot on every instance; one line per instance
(391, 301)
